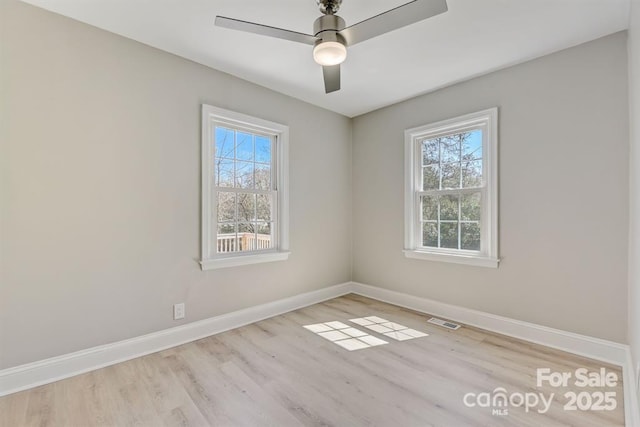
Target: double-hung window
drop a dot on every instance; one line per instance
(451, 190)
(244, 189)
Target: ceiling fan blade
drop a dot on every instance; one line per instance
(393, 19)
(265, 30)
(331, 75)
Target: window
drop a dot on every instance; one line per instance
(451, 194)
(244, 189)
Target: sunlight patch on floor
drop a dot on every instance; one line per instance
(345, 336)
(390, 329)
(352, 338)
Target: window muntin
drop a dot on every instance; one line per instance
(244, 189)
(451, 190)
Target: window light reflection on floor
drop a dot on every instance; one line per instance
(352, 338)
(345, 336)
(390, 329)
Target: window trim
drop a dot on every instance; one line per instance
(208, 260)
(488, 255)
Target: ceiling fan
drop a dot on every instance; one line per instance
(331, 36)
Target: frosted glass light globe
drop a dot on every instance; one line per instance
(329, 53)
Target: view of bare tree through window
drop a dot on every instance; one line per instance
(244, 188)
(451, 191)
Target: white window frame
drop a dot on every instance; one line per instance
(212, 116)
(487, 256)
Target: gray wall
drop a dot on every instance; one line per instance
(563, 193)
(99, 191)
(100, 185)
(634, 193)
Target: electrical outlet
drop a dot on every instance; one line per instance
(178, 311)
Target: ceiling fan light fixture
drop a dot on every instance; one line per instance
(329, 53)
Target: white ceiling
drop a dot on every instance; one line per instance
(474, 37)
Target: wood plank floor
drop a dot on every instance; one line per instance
(277, 373)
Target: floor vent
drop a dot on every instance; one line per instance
(444, 323)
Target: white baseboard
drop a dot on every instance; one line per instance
(56, 368)
(594, 348)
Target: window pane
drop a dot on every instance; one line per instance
(430, 152)
(263, 177)
(263, 149)
(470, 236)
(264, 228)
(430, 234)
(226, 241)
(244, 175)
(429, 208)
(472, 146)
(224, 142)
(246, 207)
(227, 228)
(450, 148)
(246, 227)
(472, 174)
(244, 146)
(264, 240)
(223, 170)
(449, 208)
(263, 207)
(431, 177)
(246, 237)
(451, 175)
(470, 206)
(226, 206)
(449, 235)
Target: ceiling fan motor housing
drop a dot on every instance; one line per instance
(330, 46)
(326, 28)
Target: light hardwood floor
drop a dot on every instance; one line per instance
(277, 373)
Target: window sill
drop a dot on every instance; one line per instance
(478, 261)
(236, 261)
